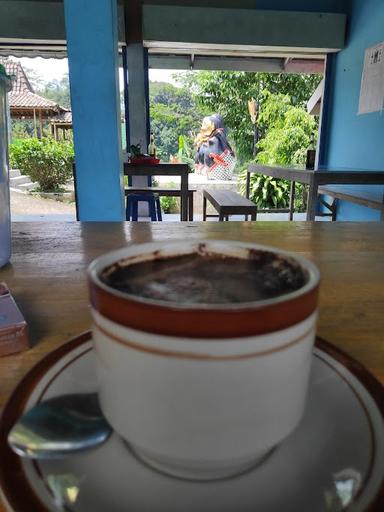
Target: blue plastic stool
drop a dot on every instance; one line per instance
(153, 200)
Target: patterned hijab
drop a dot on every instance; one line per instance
(209, 126)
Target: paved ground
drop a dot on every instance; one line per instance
(28, 207)
(25, 207)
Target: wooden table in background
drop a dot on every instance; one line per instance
(181, 170)
(315, 178)
(48, 278)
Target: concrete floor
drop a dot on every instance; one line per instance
(63, 217)
(27, 208)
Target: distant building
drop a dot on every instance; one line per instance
(24, 103)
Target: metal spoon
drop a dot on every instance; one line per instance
(59, 427)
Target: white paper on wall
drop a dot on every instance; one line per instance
(372, 80)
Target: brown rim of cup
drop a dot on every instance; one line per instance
(201, 320)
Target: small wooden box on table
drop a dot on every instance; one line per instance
(227, 202)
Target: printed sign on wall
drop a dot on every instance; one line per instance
(372, 80)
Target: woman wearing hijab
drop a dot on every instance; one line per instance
(214, 156)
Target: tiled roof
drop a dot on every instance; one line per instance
(64, 117)
(21, 82)
(29, 99)
(22, 95)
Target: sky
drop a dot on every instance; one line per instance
(50, 69)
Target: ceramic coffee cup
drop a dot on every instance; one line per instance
(203, 390)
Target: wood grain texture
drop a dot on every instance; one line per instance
(228, 200)
(364, 195)
(323, 176)
(47, 278)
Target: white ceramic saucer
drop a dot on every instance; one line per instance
(333, 462)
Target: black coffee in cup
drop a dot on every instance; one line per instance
(207, 278)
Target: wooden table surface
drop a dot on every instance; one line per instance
(48, 278)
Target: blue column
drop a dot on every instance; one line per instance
(91, 29)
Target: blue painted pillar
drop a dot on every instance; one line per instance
(91, 29)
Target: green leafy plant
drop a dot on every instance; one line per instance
(287, 131)
(169, 204)
(269, 193)
(135, 150)
(185, 153)
(174, 111)
(46, 161)
(265, 191)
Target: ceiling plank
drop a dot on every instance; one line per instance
(310, 31)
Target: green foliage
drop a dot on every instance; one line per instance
(174, 112)
(169, 204)
(135, 150)
(45, 160)
(265, 191)
(288, 132)
(57, 91)
(228, 92)
(21, 129)
(54, 90)
(185, 153)
(24, 128)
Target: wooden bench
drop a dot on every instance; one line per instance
(227, 202)
(364, 195)
(165, 192)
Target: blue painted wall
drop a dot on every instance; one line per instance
(93, 72)
(353, 140)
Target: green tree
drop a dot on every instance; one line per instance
(21, 129)
(57, 91)
(288, 133)
(174, 112)
(284, 127)
(228, 92)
